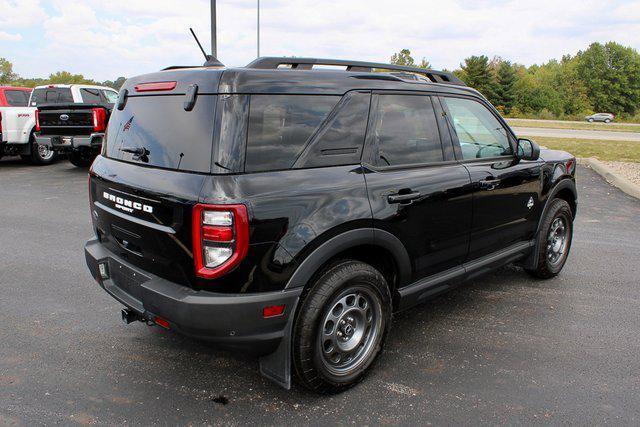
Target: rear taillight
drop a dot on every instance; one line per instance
(99, 119)
(220, 238)
(155, 86)
(37, 121)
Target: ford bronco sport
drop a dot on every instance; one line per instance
(290, 211)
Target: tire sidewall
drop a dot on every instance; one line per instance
(35, 155)
(306, 354)
(560, 209)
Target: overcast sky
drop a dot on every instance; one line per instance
(106, 39)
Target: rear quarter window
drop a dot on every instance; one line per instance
(280, 126)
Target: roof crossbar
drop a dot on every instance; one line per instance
(367, 67)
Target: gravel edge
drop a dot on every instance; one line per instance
(611, 176)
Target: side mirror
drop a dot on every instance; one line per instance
(527, 149)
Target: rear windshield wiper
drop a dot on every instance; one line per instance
(139, 153)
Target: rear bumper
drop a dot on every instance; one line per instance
(56, 143)
(232, 321)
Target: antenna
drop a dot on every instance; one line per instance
(209, 60)
(206, 57)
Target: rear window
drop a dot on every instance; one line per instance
(51, 95)
(157, 131)
(280, 126)
(17, 98)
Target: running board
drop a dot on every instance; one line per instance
(438, 283)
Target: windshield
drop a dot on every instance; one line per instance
(157, 131)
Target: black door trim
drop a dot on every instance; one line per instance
(433, 285)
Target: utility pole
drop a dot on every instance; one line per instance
(214, 29)
(258, 28)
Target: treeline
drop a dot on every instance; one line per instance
(603, 78)
(8, 77)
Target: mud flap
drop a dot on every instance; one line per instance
(276, 366)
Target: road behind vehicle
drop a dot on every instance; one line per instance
(289, 211)
(73, 125)
(600, 117)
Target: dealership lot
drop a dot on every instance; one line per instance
(504, 349)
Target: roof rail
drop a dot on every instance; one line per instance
(367, 67)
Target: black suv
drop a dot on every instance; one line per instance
(288, 208)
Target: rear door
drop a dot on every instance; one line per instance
(417, 190)
(506, 191)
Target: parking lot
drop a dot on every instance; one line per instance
(505, 349)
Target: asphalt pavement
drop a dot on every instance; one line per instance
(606, 135)
(505, 349)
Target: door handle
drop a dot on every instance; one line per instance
(489, 184)
(406, 198)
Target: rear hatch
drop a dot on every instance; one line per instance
(66, 119)
(156, 159)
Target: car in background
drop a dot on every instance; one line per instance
(600, 117)
(76, 129)
(18, 118)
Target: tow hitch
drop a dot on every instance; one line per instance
(129, 316)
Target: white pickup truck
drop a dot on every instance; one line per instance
(19, 123)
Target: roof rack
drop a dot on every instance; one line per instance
(367, 67)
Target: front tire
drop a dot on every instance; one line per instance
(341, 326)
(554, 240)
(607, 121)
(590, 120)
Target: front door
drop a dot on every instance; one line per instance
(506, 190)
(417, 190)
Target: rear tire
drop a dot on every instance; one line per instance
(607, 121)
(554, 240)
(41, 154)
(590, 120)
(81, 159)
(341, 326)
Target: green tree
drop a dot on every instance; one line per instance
(505, 81)
(424, 64)
(611, 74)
(6, 72)
(403, 58)
(477, 74)
(65, 77)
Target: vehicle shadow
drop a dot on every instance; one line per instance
(232, 375)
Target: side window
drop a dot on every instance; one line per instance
(479, 132)
(406, 131)
(280, 126)
(110, 96)
(90, 96)
(341, 138)
(17, 98)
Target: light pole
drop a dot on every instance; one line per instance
(258, 28)
(214, 29)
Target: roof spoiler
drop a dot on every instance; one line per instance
(366, 67)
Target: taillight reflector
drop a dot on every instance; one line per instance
(161, 322)
(273, 311)
(155, 86)
(220, 235)
(99, 119)
(37, 121)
